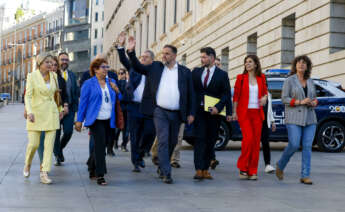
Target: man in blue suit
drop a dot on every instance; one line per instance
(73, 99)
(169, 98)
(141, 126)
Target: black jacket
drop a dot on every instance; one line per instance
(153, 73)
(219, 87)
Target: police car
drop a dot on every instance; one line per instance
(330, 112)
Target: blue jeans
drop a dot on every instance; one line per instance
(296, 135)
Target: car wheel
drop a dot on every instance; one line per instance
(223, 136)
(331, 137)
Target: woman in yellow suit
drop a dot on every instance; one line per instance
(42, 114)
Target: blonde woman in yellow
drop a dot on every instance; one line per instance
(42, 114)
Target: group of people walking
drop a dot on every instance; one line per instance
(151, 102)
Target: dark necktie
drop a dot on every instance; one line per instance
(206, 78)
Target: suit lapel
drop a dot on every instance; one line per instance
(212, 82)
(179, 78)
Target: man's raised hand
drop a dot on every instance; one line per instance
(131, 44)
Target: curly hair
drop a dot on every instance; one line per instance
(256, 60)
(307, 60)
(95, 64)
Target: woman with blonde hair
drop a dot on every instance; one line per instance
(42, 114)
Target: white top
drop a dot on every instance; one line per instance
(168, 94)
(204, 73)
(270, 117)
(253, 96)
(105, 111)
(138, 92)
(48, 85)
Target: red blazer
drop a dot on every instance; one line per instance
(241, 94)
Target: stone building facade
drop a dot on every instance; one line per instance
(275, 30)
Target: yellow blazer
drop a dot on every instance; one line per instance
(39, 100)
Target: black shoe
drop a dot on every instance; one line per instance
(136, 169)
(62, 158)
(168, 180)
(155, 161)
(111, 153)
(142, 164)
(175, 165)
(214, 164)
(160, 174)
(57, 161)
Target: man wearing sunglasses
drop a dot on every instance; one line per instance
(73, 99)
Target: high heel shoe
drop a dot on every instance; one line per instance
(26, 171)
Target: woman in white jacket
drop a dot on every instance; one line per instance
(265, 133)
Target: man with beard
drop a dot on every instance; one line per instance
(73, 98)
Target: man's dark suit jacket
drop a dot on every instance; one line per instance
(153, 73)
(219, 87)
(73, 106)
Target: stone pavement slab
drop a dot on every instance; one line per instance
(73, 191)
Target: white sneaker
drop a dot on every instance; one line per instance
(269, 169)
(26, 171)
(44, 178)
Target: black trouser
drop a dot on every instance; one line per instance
(167, 125)
(206, 126)
(265, 132)
(100, 131)
(68, 124)
(125, 132)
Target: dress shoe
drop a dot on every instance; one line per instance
(175, 165)
(306, 181)
(253, 177)
(62, 158)
(279, 173)
(111, 153)
(57, 161)
(155, 161)
(142, 164)
(243, 175)
(207, 175)
(136, 169)
(44, 178)
(26, 171)
(214, 164)
(168, 179)
(160, 174)
(198, 175)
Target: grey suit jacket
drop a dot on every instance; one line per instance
(299, 115)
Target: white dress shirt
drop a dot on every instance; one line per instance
(253, 96)
(204, 73)
(168, 94)
(105, 111)
(138, 92)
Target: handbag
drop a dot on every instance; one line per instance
(57, 95)
(120, 122)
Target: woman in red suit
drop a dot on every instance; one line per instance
(249, 98)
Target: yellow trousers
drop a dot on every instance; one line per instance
(34, 142)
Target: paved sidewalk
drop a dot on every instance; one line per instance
(127, 191)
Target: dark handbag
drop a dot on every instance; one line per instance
(57, 95)
(120, 121)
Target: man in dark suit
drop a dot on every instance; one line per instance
(73, 99)
(141, 126)
(169, 98)
(212, 81)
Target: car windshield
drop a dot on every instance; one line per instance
(275, 88)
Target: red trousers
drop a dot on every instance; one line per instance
(250, 148)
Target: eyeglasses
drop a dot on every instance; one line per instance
(64, 60)
(121, 73)
(105, 67)
(106, 97)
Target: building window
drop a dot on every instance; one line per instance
(184, 60)
(94, 50)
(103, 16)
(96, 33)
(164, 15)
(102, 32)
(175, 11)
(224, 59)
(141, 37)
(188, 5)
(147, 31)
(97, 2)
(337, 26)
(288, 40)
(96, 16)
(155, 26)
(252, 44)
(101, 48)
